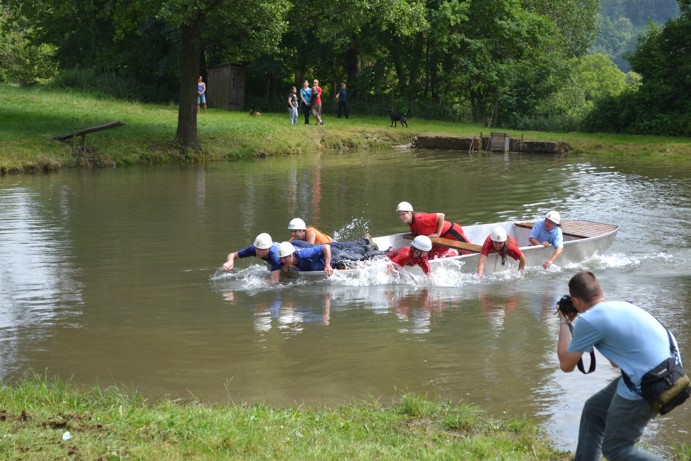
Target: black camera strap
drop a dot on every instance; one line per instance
(580, 365)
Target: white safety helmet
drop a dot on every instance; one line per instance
(297, 224)
(422, 243)
(498, 234)
(404, 206)
(554, 217)
(285, 249)
(263, 241)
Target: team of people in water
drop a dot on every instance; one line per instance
(614, 418)
(312, 250)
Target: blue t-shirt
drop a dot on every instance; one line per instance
(342, 95)
(626, 335)
(306, 94)
(554, 237)
(310, 259)
(272, 259)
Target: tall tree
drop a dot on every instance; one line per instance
(259, 19)
(95, 33)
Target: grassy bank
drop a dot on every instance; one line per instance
(36, 412)
(31, 117)
(46, 418)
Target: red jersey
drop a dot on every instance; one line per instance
(404, 257)
(426, 224)
(317, 99)
(510, 245)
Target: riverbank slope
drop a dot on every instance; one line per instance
(31, 118)
(44, 418)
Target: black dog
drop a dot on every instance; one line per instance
(396, 117)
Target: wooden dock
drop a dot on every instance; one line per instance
(497, 142)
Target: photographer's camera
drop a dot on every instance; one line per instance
(566, 307)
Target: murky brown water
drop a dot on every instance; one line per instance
(112, 277)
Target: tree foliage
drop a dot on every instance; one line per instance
(519, 63)
(22, 61)
(621, 22)
(662, 102)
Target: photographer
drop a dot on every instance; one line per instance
(614, 418)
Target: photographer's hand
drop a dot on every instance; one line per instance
(566, 317)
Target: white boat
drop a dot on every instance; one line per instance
(582, 240)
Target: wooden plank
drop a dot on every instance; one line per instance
(526, 224)
(456, 244)
(448, 243)
(579, 229)
(86, 131)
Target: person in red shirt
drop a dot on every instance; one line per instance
(499, 242)
(316, 101)
(417, 254)
(431, 225)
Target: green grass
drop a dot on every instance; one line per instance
(31, 117)
(112, 424)
(115, 424)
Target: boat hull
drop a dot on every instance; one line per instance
(582, 241)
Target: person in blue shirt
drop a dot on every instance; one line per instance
(201, 94)
(305, 100)
(614, 418)
(548, 233)
(309, 257)
(316, 258)
(263, 248)
(342, 97)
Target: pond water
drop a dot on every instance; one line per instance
(113, 277)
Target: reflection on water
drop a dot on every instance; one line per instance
(37, 285)
(113, 277)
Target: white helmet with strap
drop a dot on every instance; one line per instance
(422, 243)
(285, 249)
(498, 234)
(554, 217)
(404, 206)
(263, 241)
(297, 224)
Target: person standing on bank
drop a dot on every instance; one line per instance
(316, 101)
(432, 225)
(548, 232)
(293, 106)
(201, 94)
(614, 418)
(305, 97)
(342, 97)
(499, 242)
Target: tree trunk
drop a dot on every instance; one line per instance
(353, 64)
(186, 134)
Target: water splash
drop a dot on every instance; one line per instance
(354, 230)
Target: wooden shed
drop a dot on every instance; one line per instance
(225, 86)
